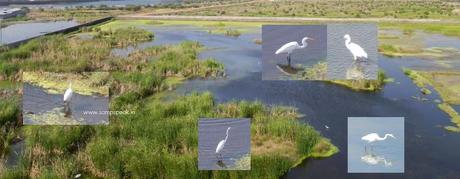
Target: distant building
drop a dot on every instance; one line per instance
(10, 13)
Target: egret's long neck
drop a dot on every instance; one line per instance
(226, 136)
(304, 44)
(347, 42)
(70, 85)
(386, 135)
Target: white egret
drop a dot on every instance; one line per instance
(68, 94)
(372, 137)
(221, 144)
(355, 49)
(291, 46)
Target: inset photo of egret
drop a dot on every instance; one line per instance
(65, 98)
(375, 145)
(294, 52)
(224, 144)
(352, 52)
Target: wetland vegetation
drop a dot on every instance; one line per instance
(159, 129)
(319, 72)
(447, 84)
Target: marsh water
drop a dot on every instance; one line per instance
(430, 150)
(238, 144)
(37, 101)
(22, 31)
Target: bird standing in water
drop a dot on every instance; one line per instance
(288, 48)
(221, 144)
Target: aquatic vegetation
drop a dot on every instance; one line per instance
(8, 123)
(58, 54)
(440, 28)
(159, 138)
(447, 86)
(227, 28)
(445, 83)
(56, 83)
(232, 32)
(165, 133)
(123, 37)
(53, 117)
(244, 163)
(365, 85)
(400, 51)
(455, 117)
(319, 72)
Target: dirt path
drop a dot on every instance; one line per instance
(281, 19)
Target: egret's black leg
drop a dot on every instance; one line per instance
(289, 59)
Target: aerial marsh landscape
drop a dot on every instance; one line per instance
(164, 74)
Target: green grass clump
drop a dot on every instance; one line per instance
(10, 110)
(57, 139)
(8, 123)
(389, 50)
(182, 61)
(317, 72)
(232, 32)
(365, 85)
(123, 37)
(24, 51)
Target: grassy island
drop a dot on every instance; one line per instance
(319, 72)
(447, 84)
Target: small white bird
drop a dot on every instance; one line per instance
(291, 46)
(325, 126)
(68, 93)
(221, 144)
(355, 49)
(372, 137)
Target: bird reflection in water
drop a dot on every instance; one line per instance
(373, 159)
(288, 69)
(67, 110)
(221, 164)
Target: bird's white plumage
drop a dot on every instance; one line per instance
(221, 144)
(372, 137)
(287, 48)
(68, 93)
(356, 50)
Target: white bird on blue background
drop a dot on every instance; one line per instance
(221, 144)
(356, 50)
(68, 94)
(291, 46)
(372, 137)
